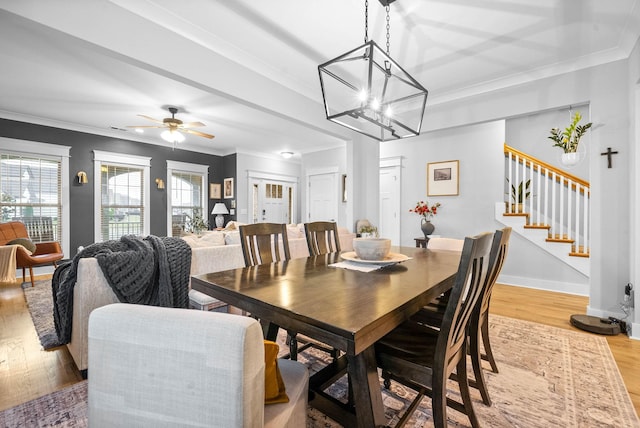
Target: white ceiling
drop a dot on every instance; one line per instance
(248, 69)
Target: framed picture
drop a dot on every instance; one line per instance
(443, 178)
(228, 188)
(215, 190)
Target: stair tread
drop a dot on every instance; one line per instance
(561, 240)
(537, 226)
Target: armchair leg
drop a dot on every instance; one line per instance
(30, 275)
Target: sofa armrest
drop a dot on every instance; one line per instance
(91, 291)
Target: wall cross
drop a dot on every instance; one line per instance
(608, 154)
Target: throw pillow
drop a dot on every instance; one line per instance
(274, 390)
(26, 243)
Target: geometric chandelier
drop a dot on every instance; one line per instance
(368, 92)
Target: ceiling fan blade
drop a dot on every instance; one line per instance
(192, 125)
(150, 118)
(198, 133)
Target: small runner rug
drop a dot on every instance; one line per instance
(549, 377)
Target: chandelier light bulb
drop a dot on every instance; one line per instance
(362, 95)
(375, 104)
(388, 112)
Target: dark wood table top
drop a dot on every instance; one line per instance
(347, 309)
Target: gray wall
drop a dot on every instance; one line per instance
(81, 197)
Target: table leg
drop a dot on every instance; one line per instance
(367, 395)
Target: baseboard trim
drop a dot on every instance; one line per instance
(541, 284)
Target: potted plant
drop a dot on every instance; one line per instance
(368, 231)
(569, 139)
(519, 195)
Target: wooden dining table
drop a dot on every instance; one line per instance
(346, 309)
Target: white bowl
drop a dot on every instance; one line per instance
(371, 248)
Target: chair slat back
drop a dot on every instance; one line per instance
(261, 243)
(498, 255)
(470, 279)
(322, 237)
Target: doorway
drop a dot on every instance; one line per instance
(390, 188)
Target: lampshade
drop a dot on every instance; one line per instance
(172, 136)
(367, 91)
(220, 208)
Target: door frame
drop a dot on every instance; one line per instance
(258, 176)
(333, 170)
(394, 164)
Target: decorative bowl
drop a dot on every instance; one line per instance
(371, 248)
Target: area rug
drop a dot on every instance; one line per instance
(40, 304)
(548, 377)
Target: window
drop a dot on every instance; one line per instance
(189, 194)
(34, 188)
(121, 195)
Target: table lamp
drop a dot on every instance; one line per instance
(220, 209)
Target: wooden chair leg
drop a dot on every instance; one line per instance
(24, 278)
(463, 383)
(439, 402)
(476, 362)
(293, 347)
(487, 345)
(31, 274)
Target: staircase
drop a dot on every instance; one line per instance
(554, 216)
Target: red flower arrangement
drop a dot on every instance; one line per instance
(427, 212)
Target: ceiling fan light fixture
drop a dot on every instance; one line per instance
(172, 136)
(367, 91)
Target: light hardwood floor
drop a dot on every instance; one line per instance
(27, 372)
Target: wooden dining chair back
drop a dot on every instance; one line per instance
(322, 237)
(423, 358)
(261, 243)
(479, 327)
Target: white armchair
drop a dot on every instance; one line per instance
(164, 367)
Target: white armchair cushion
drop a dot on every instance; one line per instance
(164, 367)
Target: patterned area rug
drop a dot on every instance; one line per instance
(548, 377)
(40, 304)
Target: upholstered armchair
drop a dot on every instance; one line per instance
(153, 367)
(44, 253)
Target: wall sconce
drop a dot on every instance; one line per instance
(160, 183)
(82, 177)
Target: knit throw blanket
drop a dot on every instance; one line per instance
(149, 271)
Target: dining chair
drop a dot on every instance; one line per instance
(422, 358)
(322, 237)
(445, 244)
(261, 243)
(433, 315)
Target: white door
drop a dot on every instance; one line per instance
(272, 201)
(390, 204)
(323, 197)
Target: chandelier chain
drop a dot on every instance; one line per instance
(366, 20)
(388, 27)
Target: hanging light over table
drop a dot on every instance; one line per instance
(367, 91)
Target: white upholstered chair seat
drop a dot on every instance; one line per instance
(164, 367)
(445, 244)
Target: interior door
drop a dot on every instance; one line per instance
(272, 201)
(323, 197)
(390, 204)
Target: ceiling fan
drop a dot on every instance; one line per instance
(174, 127)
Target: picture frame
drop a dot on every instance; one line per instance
(215, 191)
(443, 178)
(228, 188)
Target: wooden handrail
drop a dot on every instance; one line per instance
(539, 164)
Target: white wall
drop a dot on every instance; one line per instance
(265, 164)
(479, 151)
(325, 159)
(529, 134)
(634, 191)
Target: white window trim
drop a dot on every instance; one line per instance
(111, 158)
(190, 168)
(54, 152)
